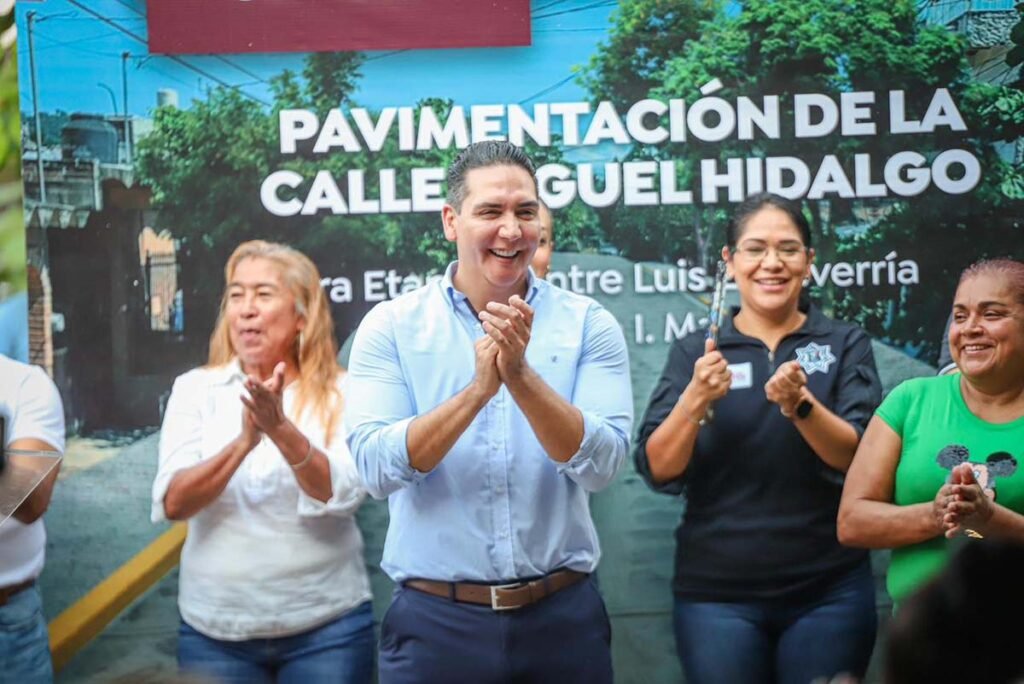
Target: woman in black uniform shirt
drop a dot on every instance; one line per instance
(763, 590)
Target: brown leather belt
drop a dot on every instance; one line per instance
(499, 596)
(7, 592)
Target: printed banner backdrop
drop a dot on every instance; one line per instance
(898, 123)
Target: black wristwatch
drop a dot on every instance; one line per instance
(803, 409)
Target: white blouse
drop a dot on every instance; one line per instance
(264, 559)
(30, 403)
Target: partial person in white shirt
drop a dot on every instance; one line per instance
(34, 420)
(273, 586)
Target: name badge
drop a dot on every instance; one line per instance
(742, 375)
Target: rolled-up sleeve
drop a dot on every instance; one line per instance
(347, 491)
(603, 393)
(379, 408)
(674, 378)
(180, 440)
(858, 390)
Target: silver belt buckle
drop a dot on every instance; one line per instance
(495, 605)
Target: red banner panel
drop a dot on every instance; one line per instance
(226, 26)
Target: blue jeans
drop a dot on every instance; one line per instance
(780, 641)
(24, 642)
(340, 651)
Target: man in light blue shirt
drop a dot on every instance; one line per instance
(486, 406)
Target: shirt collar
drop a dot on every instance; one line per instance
(228, 373)
(232, 371)
(533, 285)
(816, 322)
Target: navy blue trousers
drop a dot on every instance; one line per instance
(561, 639)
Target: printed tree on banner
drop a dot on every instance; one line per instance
(195, 161)
(785, 47)
(206, 164)
(644, 37)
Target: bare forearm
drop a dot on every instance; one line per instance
(432, 435)
(670, 447)
(1005, 524)
(315, 476)
(829, 436)
(192, 489)
(557, 424)
(33, 507)
(879, 525)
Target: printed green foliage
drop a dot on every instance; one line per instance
(784, 47)
(203, 163)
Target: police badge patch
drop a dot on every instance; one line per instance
(815, 357)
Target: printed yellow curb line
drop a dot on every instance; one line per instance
(86, 618)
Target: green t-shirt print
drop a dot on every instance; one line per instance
(938, 432)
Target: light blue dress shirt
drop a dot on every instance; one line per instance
(496, 508)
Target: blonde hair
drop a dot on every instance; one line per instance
(316, 352)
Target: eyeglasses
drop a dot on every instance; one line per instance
(787, 251)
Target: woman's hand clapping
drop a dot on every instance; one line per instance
(265, 403)
(711, 376)
(785, 388)
(968, 507)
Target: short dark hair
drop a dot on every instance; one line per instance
(480, 155)
(756, 203)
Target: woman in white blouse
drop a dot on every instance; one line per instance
(252, 454)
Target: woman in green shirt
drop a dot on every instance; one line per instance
(942, 456)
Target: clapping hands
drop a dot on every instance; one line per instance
(785, 387)
(711, 375)
(264, 407)
(487, 378)
(509, 326)
(962, 506)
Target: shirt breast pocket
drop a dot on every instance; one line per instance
(222, 423)
(435, 373)
(558, 368)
